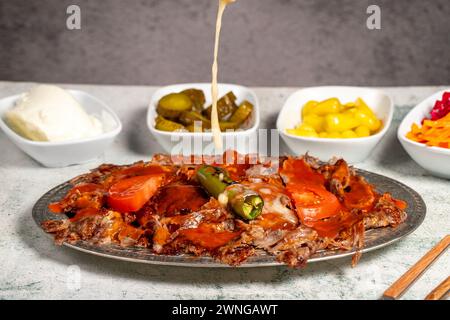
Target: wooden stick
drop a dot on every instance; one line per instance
(440, 291)
(403, 283)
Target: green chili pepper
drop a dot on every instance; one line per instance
(213, 179)
(242, 200)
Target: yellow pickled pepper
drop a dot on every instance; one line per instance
(362, 131)
(303, 130)
(332, 105)
(340, 122)
(315, 121)
(366, 116)
(331, 119)
(349, 134)
(308, 107)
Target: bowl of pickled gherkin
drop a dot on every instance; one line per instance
(180, 115)
(337, 121)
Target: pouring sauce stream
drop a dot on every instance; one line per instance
(215, 127)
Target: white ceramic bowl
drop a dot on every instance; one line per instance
(433, 159)
(352, 150)
(65, 153)
(187, 143)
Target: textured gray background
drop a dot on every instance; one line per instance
(264, 42)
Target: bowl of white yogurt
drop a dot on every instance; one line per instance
(58, 127)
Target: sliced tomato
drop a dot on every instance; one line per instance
(298, 171)
(313, 202)
(130, 195)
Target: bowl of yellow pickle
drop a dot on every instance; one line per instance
(331, 122)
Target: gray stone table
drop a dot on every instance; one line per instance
(33, 267)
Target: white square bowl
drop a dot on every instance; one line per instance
(187, 143)
(65, 153)
(352, 150)
(435, 160)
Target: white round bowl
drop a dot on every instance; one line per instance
(435, 160)
(65, 153)
(187, 143)
(352, 150)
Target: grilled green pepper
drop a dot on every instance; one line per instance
(242, 200)
(166, 125)
(197, 97)
(172, 105)
(213, 179)
(226, 106)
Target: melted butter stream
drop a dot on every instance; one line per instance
(215, 128)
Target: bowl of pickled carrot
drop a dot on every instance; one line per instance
(338, 121)
(425, 134)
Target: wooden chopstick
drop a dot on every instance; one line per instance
(405, 281)
(440, 291)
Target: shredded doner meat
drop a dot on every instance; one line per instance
(308, 206)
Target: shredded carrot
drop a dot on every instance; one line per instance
(432, 133)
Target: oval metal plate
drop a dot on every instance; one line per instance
(375, 238)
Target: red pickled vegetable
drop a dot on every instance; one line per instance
(441, 107)
(446, 97)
